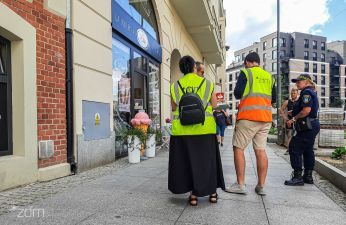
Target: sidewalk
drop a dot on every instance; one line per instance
(138, 195)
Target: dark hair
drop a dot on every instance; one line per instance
(187, 64)
(198, 65)
(252, 57)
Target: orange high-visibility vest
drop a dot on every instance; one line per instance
(255, 104)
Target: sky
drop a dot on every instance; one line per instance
(249, 20)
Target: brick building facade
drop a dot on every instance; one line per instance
(50, 77)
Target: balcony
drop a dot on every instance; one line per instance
(203, 29)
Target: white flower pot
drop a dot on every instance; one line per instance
(150, 146)
(133, 148)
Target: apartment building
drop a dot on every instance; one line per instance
(299, 53)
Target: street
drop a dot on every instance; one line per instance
(138, 194)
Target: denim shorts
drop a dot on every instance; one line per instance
(220, 130)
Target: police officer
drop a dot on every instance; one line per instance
(307, 126)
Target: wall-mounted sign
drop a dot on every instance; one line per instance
(97, 118)
(220, 96)
(123, 23)
(142, 38)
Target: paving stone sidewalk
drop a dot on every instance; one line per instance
(138, 194)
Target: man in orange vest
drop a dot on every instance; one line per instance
(255, 88)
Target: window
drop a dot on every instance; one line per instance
(5, 98)
(143, 13)
(314, 44)
(282, 42)
(236, 75)
(323, 46)
(306, 43)
(264, 45)
(282, 54)
(306, 55)
(274, 55)
(274, 42)
(264, 57)
(323, 102)
(314, 68)
(230, 87)
(274, 67)
(264, 66)
(323, 91)
(237, 58)
(323, 57)
(292, 53)
(230, 96)
(230, 77)
(323, 80)
(292, 42)
(315, 79)
(323, 68)
(314, 56)
(306, 67)
(243, 56)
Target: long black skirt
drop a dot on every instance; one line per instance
(195, 165)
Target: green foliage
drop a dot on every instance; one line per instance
(135, 132)
(338, 153)
(273, 131)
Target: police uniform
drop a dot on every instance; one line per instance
(301, 145)
(194, 157)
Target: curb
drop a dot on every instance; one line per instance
(334, 175)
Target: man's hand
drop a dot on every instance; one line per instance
(290, 123)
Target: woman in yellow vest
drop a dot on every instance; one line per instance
(194, 157)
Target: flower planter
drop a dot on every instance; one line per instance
(134, 147)
(150, 146)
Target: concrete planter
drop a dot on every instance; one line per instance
(150, 146)
(334, 175)
(134, 148)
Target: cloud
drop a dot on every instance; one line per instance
(248, 20)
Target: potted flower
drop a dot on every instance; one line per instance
(136, 138)
(150, 143)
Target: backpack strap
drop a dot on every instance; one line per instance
(199, 87)
(181, 88)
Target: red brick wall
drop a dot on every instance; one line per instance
(50, 63)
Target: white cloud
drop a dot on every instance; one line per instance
(248, 20)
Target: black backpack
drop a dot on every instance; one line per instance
(191, 109)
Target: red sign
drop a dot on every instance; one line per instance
(220, 96)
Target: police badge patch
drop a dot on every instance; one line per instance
(306, 98)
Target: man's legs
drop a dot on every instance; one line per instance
(239, 163)
(262, 166)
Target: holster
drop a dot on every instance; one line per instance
(303, 124)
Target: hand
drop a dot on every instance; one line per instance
(289, 123)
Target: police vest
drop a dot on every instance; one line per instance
(190, 83)
(255, 104)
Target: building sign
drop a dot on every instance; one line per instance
(220, 96)
(142, 38)
(128, 27)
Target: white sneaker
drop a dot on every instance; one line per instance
(236, 188)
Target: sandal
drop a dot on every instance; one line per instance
(213, 198)
(193, 200)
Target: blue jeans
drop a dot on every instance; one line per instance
(220, 130)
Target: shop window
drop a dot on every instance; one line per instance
(5, 98)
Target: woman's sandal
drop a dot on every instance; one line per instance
(193, 200)
(213, 198)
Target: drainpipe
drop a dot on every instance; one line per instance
(69, 90)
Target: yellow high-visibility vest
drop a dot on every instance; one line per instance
(255, 104)
(190, 83)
